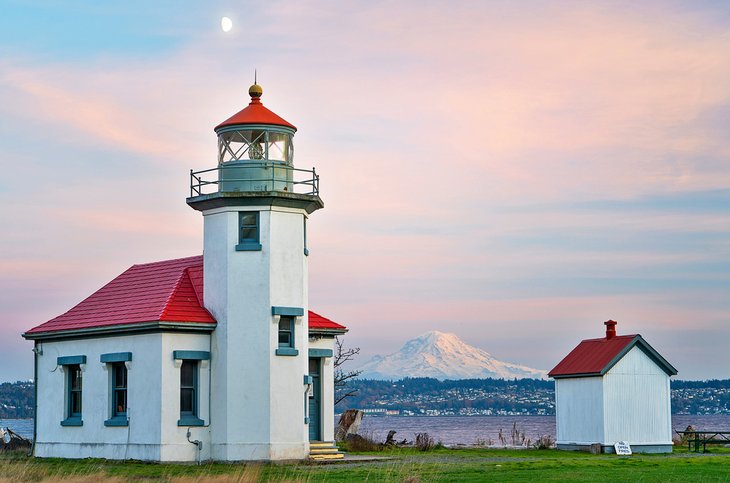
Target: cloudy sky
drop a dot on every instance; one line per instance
(512, 172)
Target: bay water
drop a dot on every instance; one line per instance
(456, 430)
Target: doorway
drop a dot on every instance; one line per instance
(315, 400)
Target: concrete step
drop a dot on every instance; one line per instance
(326, 457)
(324, 451)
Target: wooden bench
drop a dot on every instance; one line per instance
(703, 438)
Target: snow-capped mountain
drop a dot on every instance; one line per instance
(443, 356)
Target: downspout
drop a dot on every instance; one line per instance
(36, 350)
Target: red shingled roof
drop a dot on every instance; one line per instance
(151, 292)
(255, 113)
(316, 321)
(166, 291)
(595, 357)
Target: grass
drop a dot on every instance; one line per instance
(403, 465)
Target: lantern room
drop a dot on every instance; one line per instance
(255, 155)
(256, 134)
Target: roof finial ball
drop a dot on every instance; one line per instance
(255, 91)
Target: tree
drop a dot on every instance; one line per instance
(343, 377)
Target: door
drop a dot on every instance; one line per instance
(315, 397)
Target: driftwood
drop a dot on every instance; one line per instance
(10, 440)
(349, 424)
(390, 440)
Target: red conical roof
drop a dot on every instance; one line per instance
(255, 113)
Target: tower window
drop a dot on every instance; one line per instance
(248, 231)
(286, 336)
(306, 250)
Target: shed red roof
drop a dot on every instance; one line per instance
(166, 291)
(255, 113)
(595, 357)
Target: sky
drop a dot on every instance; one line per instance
(515, 173)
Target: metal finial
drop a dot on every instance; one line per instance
(255, 90)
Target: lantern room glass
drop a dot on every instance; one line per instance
(255, 145)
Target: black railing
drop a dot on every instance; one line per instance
(259, 177)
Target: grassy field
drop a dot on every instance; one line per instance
(401, 465)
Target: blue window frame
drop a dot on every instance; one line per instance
(118, 384)
(74, 391)
(306, 250)
(189, 394)
(118, 395)
(286, 336)
(248, 231)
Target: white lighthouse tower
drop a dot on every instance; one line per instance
(255, 206)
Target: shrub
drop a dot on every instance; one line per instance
(544, 442)
(424, 442)
(356, 442)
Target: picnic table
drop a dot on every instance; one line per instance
(704, 437)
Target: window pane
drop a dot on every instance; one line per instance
(186, 400)
(314, 366)
(284, 339)
(120, 375)
(248, 219)
(186, 374)
(248, 233)
(76, 403)
(75, 377)
(284, 323)
(120, 402)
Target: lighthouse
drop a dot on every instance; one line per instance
(255, 205)
(212, 357)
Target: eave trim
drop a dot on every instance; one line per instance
(121, 329)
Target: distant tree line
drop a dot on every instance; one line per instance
(16, 400)
(526, 396)
(529, 396)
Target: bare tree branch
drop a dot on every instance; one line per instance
(341, 356)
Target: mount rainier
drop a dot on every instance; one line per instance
(443, 356)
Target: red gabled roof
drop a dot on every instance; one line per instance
(255, 113)
(166, 291)
(594, 357)
(316, 321)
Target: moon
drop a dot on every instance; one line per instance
(226, 24)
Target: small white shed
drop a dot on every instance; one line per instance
(613, 389)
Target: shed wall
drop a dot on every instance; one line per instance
(637, 401)
(579, 410)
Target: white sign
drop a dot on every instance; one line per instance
(622, 448)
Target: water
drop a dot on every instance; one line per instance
(453, 430)
(23, 427)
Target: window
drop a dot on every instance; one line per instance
(118, 384)
(248, 231)
(119, 390)
(286, 336)
(73, 380)
(74, 384)
(189, 394)
(306, 250)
